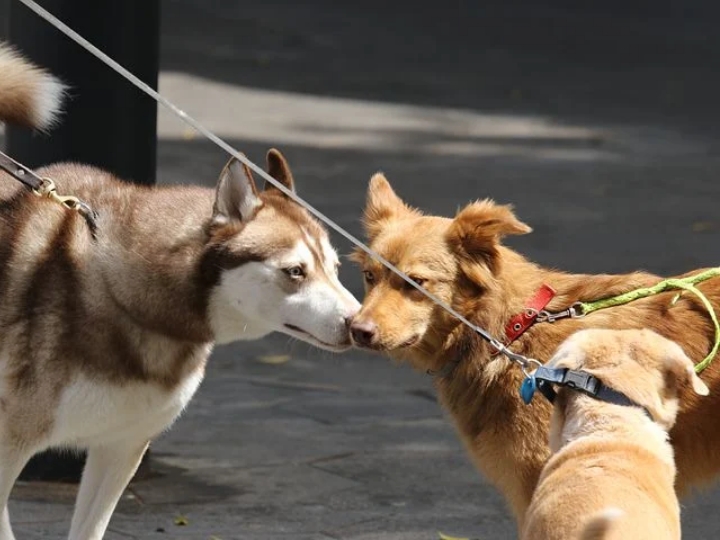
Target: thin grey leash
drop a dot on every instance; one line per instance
(77, 38)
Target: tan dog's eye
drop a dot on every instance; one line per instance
(369, 277)
(418, 280)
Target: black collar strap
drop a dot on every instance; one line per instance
(582, 382)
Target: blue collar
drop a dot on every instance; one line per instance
(582, 382)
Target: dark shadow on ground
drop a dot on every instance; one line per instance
(627, 60)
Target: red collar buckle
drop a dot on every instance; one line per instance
(518, 324)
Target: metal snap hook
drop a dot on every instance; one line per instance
(526, 368)
(577, 311)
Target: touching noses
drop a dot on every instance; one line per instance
(353, 308)
(363, 332)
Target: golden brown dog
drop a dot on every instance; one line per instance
(612, 471)
(462, 262)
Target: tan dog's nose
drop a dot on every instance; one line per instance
(363, 333)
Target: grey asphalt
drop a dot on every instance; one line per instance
(620, 175)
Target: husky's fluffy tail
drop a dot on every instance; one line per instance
(29, 95)
(600, 526)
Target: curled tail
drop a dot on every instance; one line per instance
(601, 524)
(29, 95)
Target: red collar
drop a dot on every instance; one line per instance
(519, 323)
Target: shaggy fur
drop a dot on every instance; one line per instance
(612, 472)
(462, 261)
(105, 334)
(30, 95)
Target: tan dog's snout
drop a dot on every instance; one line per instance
(364, 332)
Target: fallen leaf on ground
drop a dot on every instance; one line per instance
(446, 537)
(704, 226)
(274, 359)
(181, 521)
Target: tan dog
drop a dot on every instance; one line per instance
(612, 472)
(462, 261)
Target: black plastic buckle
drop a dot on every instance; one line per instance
(580, 380)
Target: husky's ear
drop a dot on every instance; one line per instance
(236, 196)
(478, 228)
(278, 168)
(383, 205)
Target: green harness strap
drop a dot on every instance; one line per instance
(686, 283)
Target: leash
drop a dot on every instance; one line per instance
(524, 362)
(543, 377)
(45, 187)
(582, 309)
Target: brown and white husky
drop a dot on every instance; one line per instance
(104, 338)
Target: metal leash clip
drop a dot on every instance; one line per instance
(48, 190)
(524, 362)
(573, 312)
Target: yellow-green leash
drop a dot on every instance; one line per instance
(581, 309)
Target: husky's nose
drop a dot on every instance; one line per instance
(363, 332)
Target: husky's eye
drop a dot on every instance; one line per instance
(369, 277)
(295, 272)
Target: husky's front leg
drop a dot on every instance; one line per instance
(12, 462)
(108, 471)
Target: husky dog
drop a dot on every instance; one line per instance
(104, 337)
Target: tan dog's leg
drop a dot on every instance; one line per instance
(107, 472)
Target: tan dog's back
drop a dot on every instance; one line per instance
(579, 487)
(613, 473)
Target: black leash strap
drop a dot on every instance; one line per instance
(20, 172)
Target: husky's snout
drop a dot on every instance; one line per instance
(327, 316)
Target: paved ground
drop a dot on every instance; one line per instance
(599, 125)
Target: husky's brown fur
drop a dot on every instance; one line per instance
(29, 94)
(463, 262)
(104, 334)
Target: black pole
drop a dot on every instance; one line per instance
(107, 122)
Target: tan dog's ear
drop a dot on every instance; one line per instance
(478, 228)
(382, 206)
(566, 358)
(278, 168)
(679, 371)
(236, 196)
